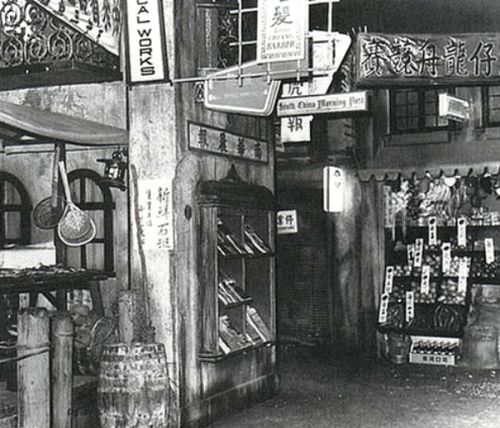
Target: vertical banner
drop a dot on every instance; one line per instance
(146, 61)
(333, 189)
(156, 214)
(281, 30)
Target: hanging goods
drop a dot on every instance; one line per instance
(48, 212)
(75, 228)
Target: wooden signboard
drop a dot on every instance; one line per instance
(220, 142)
(408, 59)
(146, 62)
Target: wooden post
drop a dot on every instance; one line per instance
(33, 384)
(62, 364)
(126, 308)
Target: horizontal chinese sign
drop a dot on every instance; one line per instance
(418, 58)
(332, 103)
(220, 142)
(286, 222)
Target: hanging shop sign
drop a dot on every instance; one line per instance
(333, 189)
(454, 108)
(281, 30)
(423, 58)
(332, 103)
(218, 141)
(146, 42)
(155, 206)
(286, 222)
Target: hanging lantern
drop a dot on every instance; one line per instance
(115, 169)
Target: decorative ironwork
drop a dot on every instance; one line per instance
(231, 50)
(227, 37)
(29, 35)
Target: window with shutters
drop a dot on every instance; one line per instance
(491, 105)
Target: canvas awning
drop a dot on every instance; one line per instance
(27, 125)
(449, 159)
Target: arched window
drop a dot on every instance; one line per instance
(96, 199)
(15, 211)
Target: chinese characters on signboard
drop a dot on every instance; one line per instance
(281, 30)
(146, 49)
(219, 141)
(156, 215)
(286, 222)
(425, 58)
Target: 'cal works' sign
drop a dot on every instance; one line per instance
(419, 58)
(146, 47)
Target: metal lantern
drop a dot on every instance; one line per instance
(115, 169)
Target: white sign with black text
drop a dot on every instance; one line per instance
(281, 30)
(316, 104)
(286, 222)
(146, 55)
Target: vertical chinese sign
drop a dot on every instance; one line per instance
(424, 59)
(156, 214)
(281, 30)
(147, 54)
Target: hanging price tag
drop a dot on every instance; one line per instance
(389, 279)
(384, 305)
(389, 217)
(410, 305)
(410, 252)
(446, 257)
(419, 249)
(425, 279)
(489, 249)
(463, 274)
(462, 232)
(432, 225)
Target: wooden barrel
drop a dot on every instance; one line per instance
(398, 347)
(133, 386)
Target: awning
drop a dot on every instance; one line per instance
(450, 158)
(22, 125)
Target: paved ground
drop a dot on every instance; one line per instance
(320, 391)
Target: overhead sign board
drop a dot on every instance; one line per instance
(407, 59)
(281, 30)
(453, 108)
(317, 104)
(146, 42)
(219, 141)
(248, 89)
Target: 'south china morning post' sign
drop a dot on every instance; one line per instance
(423, 58)
(146, 44)
(316, 104)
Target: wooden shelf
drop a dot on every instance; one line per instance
(247, 256)
(213, 358)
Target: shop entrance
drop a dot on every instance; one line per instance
(303, 302)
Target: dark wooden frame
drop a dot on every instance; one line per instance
(107, 206)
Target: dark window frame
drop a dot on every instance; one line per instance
(486, 111)
(78, 177)
(421, 116)
(24, 209)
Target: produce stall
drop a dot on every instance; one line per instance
(442, 239)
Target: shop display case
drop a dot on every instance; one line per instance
(237, 268)
(237, 294)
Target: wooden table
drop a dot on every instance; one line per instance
(45, 279)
